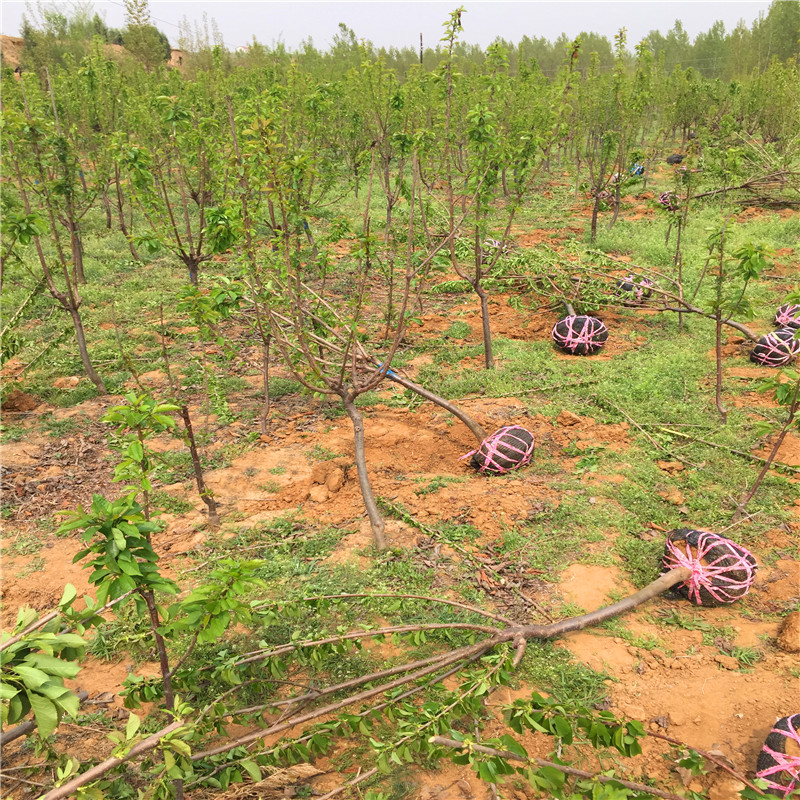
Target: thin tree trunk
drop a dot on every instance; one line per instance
(477, 431)
(487, 331)
(121, 215)
(793, 406)
(265, 373)
(374, 514)
(679, 265)
(107, 209)
(77, 254)
(206, 495)
(80, 336)
(616, 201)
(595, 210)
(718, 350)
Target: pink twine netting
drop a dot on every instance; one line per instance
(776, 348)
(777, 764)
(580, 335)
(633, 288)
(788, 316)
(669, 201)
(506, 449)
(722, 571)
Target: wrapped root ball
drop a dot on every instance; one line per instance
(722, 571)
(491, 247)
(669, 200)
(633, 290)
(788, 316)
(580, 335)
(779, 759)
(506, 449)
(776, 348)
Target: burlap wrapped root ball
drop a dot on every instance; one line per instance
(506, 449)
(491, 247)
(776, 348)
(580, 335)
(722, 571)
(669, 201)
(633, 290)
(788, 316)
(779, 759)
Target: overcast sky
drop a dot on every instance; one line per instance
(387, 23)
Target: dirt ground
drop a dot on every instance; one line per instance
(684, 689)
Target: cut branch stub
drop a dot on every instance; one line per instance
(580, 335)
(508, 448)
(776, 348)
(779, 759)
(722, 571)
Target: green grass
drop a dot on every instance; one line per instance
(25, 543)
(661, 378)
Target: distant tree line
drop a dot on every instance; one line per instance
(54, 36)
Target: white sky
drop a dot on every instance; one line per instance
(389, 22)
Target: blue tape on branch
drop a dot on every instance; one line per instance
(389, 373)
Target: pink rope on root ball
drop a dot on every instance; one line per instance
(788, 316)
(580, 335)
(506, 449)
(773, 761)
(722, 571)
(669, 200)
(633, 290)
(776, 348)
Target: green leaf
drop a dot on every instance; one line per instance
(53, 666)
(45, 712)
(252, 769)
(32, 678)
(132, 726)
(7, 691)
(70, 593)
(136, 451)
(119, 538)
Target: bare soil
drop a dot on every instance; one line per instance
(680, 687)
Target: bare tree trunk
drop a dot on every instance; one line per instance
(718, 350)
(793, 406)
(265, 373)
(107, 209)
(374, 514)
(77, 254)
(616, 201)
(206, 495)
(80, 336)
(487, 331)
(192, 266)
(121, 214)
(477, 431)
(595, 211)
(163, 661)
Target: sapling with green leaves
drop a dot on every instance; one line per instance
(117, 539)
(34, 661)
(178, 181)
(730, 288)
(139, 418)
(44, 166)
